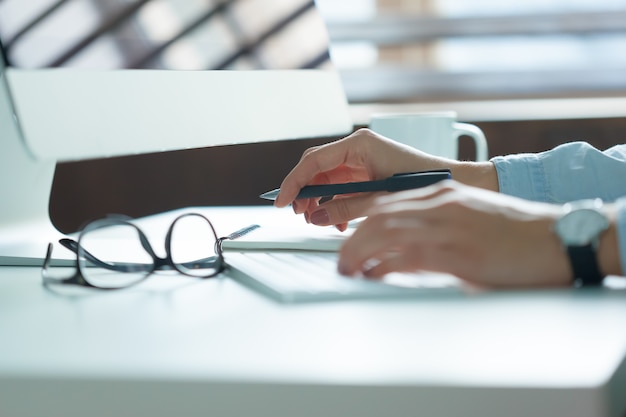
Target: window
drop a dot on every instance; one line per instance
(167, 34)
(386, 50)
(419, 50)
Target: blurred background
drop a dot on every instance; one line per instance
(164, 34)
(532, 74)
(394, 50)
(386, 50)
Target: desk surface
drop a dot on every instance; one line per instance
(180, 346)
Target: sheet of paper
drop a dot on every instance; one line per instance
(285, 231)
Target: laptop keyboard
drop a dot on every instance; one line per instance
(292, 276)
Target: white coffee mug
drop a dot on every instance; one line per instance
(436, 133)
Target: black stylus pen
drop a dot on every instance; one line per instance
(397, 182)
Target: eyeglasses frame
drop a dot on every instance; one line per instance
(158, 263)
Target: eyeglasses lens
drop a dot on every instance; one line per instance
(192, 246)
(112, 256)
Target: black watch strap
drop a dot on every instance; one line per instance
(585, 265)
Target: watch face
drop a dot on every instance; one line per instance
(581, 227)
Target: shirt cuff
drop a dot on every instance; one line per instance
(523, 176)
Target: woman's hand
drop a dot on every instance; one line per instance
(481, 236)
(363, 156)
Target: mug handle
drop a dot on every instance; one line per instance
(479, 138)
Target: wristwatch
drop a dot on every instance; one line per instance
(579, 230)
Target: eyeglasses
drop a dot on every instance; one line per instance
(113, 253)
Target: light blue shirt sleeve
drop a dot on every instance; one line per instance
(570, 172)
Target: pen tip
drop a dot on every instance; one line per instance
(270, 195)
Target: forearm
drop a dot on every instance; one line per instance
(477, 174)
(612, 245)
(572, 172)
(608, 252)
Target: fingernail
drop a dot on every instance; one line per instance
(369, 273)
(342, 268)
(319, 217)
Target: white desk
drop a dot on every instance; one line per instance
(183, 347)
